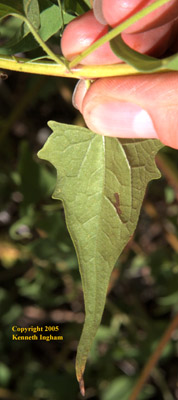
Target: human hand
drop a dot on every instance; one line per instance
(140, 106)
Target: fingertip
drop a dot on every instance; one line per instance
(98, 12)
(143, 106)
(79, 94)
(80, 33)
(119, 119)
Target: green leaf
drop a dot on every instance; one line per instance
(32, 12)
(76, 7)
(88, 3)
(119, 388)
(170, 62)
(13, 45)
(140, 61)
(101, 181)
(10, 6)
(51, 22)
(9, 28)
(5, 374)
(51, 19)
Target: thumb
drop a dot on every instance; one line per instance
(144, 106)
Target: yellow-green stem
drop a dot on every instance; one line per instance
(44, 46)
(79, 72)
(61, 67)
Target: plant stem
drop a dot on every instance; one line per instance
(153, 359)
(44, 46)
(81, 72)
(65, 69)
(116, 31)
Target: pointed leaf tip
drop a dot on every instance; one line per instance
(102, 182)
(82, 387)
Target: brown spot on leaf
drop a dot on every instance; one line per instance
(117, 203)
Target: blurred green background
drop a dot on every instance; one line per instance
(39, 277)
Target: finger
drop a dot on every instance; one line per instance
(85, 30)
(80, 34)
(117, 11)
(154, 42)
(79, 94)
(142, 106)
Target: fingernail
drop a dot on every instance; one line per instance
(98, 13)
(121, 119)
(79, 94)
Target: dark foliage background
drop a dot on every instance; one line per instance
(39, 277)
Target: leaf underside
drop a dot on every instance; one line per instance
(51, 21)
(32, 12)
(142, 62)
(9, 6)
(102, 182)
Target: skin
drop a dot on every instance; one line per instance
(144, 106)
